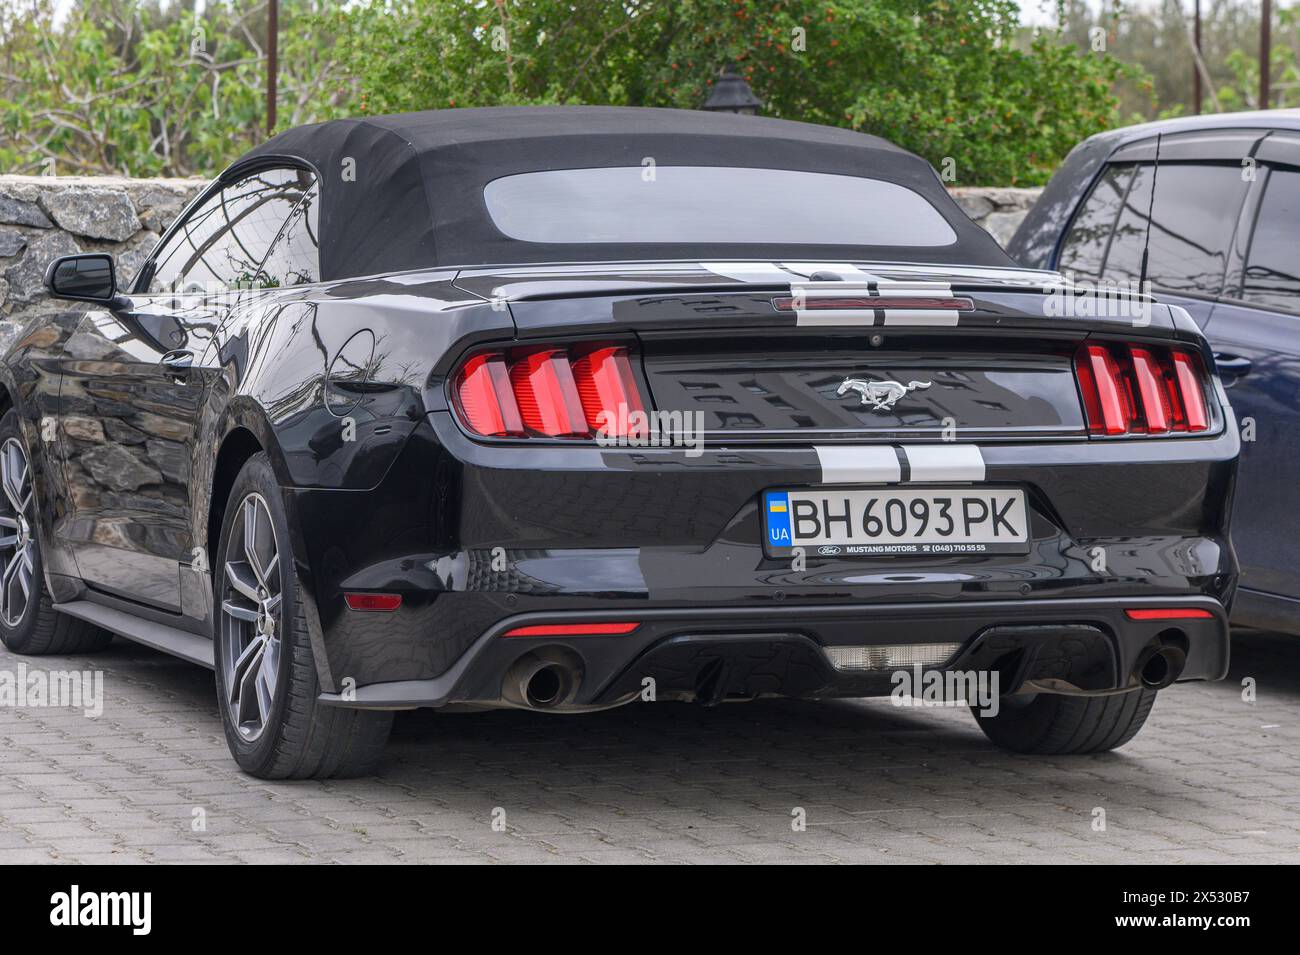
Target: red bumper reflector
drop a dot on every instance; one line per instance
(373, 601)
(1170, 613)
(572, 630)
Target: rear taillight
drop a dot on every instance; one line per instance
(549, 392)
(606, 385)
(1139, 389)
(1187, 371)
(1153, 390)
(484, 398)
(547, 395)
(1106, 396)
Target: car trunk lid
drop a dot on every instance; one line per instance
(838, 352)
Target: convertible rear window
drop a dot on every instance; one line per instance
(700, 204)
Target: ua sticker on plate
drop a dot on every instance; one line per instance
(776, 505)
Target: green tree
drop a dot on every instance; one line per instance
(949, 79)
(1154, 37)
(119, 86)
(1242, 90)
(123, 86)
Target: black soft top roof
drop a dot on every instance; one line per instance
(406, 191)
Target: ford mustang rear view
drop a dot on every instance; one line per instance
(566, 408)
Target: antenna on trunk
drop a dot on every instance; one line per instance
(1151, 208)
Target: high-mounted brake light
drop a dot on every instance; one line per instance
(605, 629)
(1137, 389)
(550, 392)
(788, 303)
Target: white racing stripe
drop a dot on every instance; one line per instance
(795, 274)
(908, 316)
(867, 316)
(870, 464)
(944, 462)
(879, 464)
(1033, 278)
(762, 273)
(828, 317)
(847, 272)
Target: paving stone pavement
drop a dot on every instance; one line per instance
(1210, 779)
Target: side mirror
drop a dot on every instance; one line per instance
(83, 278)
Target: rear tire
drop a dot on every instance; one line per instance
(267, 686)
(1050, 724)
(29, 624)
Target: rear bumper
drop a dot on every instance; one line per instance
(715, 654)
(477, 537)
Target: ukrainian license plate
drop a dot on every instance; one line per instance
(830, 522)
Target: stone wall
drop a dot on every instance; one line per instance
(43, 217)
(998, 210)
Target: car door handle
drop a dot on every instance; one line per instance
(178, 362)
(1232, 366)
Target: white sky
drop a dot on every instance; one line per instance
(1036, 12)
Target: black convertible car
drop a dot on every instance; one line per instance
(564, 408)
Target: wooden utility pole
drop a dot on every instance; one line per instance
(272, 51)
(1196, 65)
(1265, 51)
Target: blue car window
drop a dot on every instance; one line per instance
(1084, 250)
(1195, 214)
(1273, 263)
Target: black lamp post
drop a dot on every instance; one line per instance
(272, 61)
(731, 94)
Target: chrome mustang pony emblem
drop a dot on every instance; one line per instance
(880, 395)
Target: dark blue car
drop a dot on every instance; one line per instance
(1225, 245)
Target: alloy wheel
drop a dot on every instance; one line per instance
(251, 617)
(17, 533)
